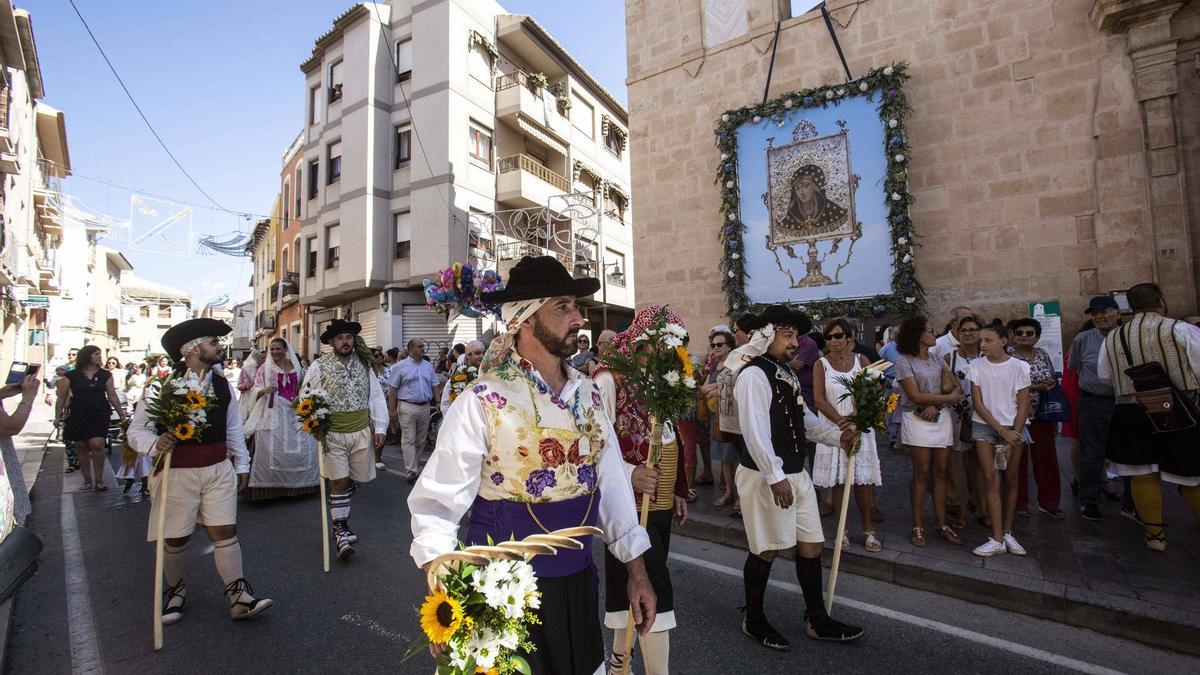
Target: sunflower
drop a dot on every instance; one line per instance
(305, 407)
(310, 425)
(684, 360)
(891, 403)
(441, 615)
(196, 399)
(184, 431)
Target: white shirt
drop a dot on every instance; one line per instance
(999, 384)
(142, 435)
(752, 392)
(448, 485)
(1186, 335)
(376, 401)
(946, 344)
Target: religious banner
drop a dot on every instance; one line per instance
(815, 200)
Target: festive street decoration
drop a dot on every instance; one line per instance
(455, 290)
(882, 85)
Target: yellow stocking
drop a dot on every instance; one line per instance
(1147, 497)
(1191, 495)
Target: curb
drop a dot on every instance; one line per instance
(1163, 627)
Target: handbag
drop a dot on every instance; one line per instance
(1053, 406)
(18, 560)
(1168, 409)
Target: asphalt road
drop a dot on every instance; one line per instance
(88, 609)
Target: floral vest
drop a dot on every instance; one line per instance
(542, 449)
(348, 387)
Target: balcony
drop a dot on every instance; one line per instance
(287, 290)
(6, 146)
(523, 103)
(523, 182)
(265, 321)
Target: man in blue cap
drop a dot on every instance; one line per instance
(1096, 401)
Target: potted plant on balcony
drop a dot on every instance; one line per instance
(538, 81)
(559, 89)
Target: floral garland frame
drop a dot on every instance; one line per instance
(888, 84)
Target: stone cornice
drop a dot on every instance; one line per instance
(1116, 16)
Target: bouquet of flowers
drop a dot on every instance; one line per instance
(456, 291)
(178, 406)
(461, 379)
(658, 367)
(312, 410)
(482, 613)
(872, 401)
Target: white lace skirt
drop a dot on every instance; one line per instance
(829, 465)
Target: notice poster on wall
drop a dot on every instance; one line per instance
(1048, 313)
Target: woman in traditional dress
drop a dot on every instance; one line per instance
(285, 458)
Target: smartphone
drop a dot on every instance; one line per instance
(19, 371)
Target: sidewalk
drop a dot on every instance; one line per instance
(1093, 575)
(30, 446)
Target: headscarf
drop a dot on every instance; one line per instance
(518, 312)
(760, 339)
(192, 344)
(249, 368)
(625, 340)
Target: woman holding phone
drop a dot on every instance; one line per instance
(89, 396)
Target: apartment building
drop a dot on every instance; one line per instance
(290, 252)
(442, 132)
(34, 158)
(148, 309)
(263, 278)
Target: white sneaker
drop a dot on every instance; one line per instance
(1014, 547)
(989, 548)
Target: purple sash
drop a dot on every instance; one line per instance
(504, 520)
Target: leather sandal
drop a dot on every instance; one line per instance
(918, 536)
(872, 544)
(948, 534)
(171, 615)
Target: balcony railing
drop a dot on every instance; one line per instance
(274, 293)
(265, 320)
(531, 165)
(289, 286)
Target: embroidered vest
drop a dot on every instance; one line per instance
(542, 449)
(348, 387)
(787, 416)
(1151, 338)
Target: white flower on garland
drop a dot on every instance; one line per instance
(862, 86)
(725, 117)
(910, 299)
(672, 378)
(735, 256)
(899, 158)
(729, 184)
(788, 103)
(731, 274)
(829, 95)
(816, 317)
(888, 71)
(906, 259)
(689, 382)
(902, 241)
(895, 196)
(732, 217)
(757, 119)
(724, 156)
(892, 124)
(841, 92)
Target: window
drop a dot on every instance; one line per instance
(298, 184)
(613, 141)
(314, 104)
(403, 60)
(310, 251)
(481, 145)
(334, 158)
(313, 183)
(164, 311)
(403, 150)
(333, 247)
(582, 115)
(287, 202)
(145, 311)
(403, 230)
(335, 82)
(283, 260)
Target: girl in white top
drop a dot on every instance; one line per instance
(1000, 396)
(829, 465)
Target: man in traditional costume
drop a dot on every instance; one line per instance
(358, 421)
(778, 501)
(202, 486)
(529, 449)
(667, 486)
(461, 376)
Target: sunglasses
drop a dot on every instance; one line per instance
(835, 336)
(716, 345)
(1025, 333)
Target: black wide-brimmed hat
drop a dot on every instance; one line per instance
(540, 277)
(339, 326)
(782, 315)
(180, 334)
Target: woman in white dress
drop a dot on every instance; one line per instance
(829, 466)
(135, 384)
(285, 458)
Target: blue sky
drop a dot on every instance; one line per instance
(220, 81)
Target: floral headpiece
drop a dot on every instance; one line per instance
(625, 341)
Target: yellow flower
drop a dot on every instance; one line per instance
(196, 399)
(305, 407)
(184, 431)
(310, 425)
(685, 360)
(441, 616)
(461, 377)
(891, 402)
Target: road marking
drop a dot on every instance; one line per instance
(375, 627)
(955, 631)
(85, 648)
